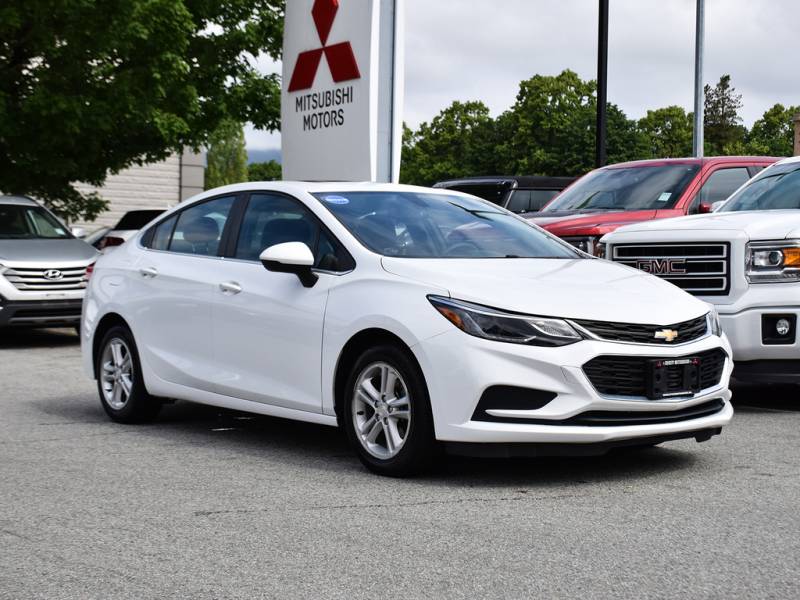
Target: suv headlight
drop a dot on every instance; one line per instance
(773, 262)
(713, 321)
(493, 324)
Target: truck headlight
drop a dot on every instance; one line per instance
(493, 324)
(773, 262)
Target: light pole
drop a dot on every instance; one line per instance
(697, 144)
(602, 84)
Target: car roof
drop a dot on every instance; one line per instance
(313, 187)
(708, 160)
(19, 200)
(522, 181)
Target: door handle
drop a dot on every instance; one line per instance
(148, 272)
(230, 288)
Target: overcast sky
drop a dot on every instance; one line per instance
(481, 49)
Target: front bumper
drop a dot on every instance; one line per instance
(760, 360)
(40, 313)
(459, 368)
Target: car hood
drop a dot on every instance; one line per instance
(56, 252)
(569, 288)
(581, 223)
(756, 225)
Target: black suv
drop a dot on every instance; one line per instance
(517, 193)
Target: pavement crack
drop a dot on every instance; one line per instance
(523, 495)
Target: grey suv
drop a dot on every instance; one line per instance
(42, 267)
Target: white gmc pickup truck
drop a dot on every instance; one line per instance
(745, 259)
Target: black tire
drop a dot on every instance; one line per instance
(420, 449)
(140, 407)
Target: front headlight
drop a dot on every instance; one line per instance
(493, 324)
(713, 321)
(773, 262)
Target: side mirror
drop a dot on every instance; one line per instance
(717, 205)
(291, 257)
(78, 232)
(704, 208)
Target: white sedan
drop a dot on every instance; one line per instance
(417, 319)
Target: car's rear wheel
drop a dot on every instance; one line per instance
(119, 379)
(387, 413)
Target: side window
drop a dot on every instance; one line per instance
(719, 186)
(520, 201)
(273, 219)
(199, 227)
(541, 197)
(162, 234)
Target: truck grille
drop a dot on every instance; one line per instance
(701, 269)
(44, 280)
(646, 334)
(627, 375)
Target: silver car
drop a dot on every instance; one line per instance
(42, 267)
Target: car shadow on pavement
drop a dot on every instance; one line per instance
(12, 339)
(319, 448)
(766, 398)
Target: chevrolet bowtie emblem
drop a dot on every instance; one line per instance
(668, 335)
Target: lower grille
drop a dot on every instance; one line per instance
(702, 269)
(627, 375)
(646, 334)
(46, 279)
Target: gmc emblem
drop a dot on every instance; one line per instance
(662, 266)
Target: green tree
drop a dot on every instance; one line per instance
(550, 129)
(226, 161)
(458, 141)
(265, 171)
(667, 132)
(773, 133)
(723, 125)
(88, 88)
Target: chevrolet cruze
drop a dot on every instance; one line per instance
(416, 319)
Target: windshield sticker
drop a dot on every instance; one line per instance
(59, 231)
(664, 197)
(337, 200)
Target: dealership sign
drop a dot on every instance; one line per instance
(342, 90)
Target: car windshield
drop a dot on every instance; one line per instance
(422, 225)
(29, 222)
(628, 188)
(775, 188)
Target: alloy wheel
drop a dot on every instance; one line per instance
(381, 410)
(117, 375)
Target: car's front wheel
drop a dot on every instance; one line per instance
(387, 414)
(119, 379)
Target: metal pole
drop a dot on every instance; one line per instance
(697, 144)
(602, 84)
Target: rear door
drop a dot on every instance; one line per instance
(267, 326)
(174, 285)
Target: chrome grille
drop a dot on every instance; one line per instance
(46, 279)
(702, 269)
(645, 334)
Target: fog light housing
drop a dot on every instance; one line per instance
(778, 329)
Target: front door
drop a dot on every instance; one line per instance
(267, 326)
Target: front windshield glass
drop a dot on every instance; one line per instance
(629, 188)
(775, 188)
(18, 222)
(420, 225)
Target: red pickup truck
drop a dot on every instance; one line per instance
(617, 195)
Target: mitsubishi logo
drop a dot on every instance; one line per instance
(53, 274)
(340, 57)
(668, 335)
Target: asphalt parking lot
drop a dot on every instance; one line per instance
(213, 504)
